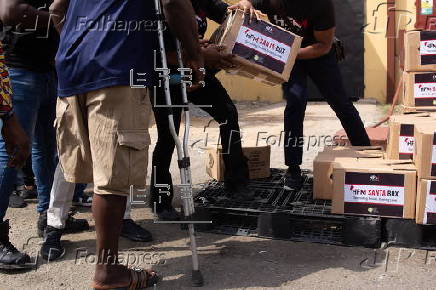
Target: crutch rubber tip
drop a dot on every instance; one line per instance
(197, 278)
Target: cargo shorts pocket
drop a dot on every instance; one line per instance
(131, 158)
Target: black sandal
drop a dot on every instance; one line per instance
(140, 279)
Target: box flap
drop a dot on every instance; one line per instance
(376, 165)
(426, 128)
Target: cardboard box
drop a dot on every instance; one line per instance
(420, 51)
(419, 89)
(264, 51)
(426, 202)
(402, 109)
(258, 162)
(323, 166)
(401, 138)
(384, 188)
(425, 150)
(377, 136)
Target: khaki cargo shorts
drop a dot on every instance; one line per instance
(102, 137)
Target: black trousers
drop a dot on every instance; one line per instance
(325, 73)
(223, 111)
(25, 175)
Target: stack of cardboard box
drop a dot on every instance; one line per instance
(419, 93)
(403, 183)
(360, 181)
(400, 185)
(385, 188)
(425, 160)
(325, 161)
(401, 137)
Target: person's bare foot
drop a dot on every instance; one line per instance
(114, 276)
(117, 276)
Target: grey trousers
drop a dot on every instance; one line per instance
(61, 198)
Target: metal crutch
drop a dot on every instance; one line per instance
(182, 149)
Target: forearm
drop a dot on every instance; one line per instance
(14, 12)
(58, 10)
(180, 17)
(314, 51)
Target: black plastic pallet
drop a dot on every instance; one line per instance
(406, 233)
(279, 214)
(269, 197)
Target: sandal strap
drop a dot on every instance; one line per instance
(134, 280)
(139, 279)
(143, 279)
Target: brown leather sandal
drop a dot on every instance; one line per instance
(140, 279)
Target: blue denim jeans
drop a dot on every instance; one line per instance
(34, 104)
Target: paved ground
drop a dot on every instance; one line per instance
(233, 262)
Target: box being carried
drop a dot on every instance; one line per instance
(420, 90)
(420, 51)
(385, 188)
(263, 51)
(401, 139)
(426, 202)
(425, 150)
(258, 162)
(323, 166)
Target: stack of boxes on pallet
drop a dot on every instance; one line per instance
(401, 182)
(419, 91)
(425, 160)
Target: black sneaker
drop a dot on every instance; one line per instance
(169, 214)
(73, 225)
(16, 201)
(10, 257)
(293, 180)
(41, 224)
(52, 249)
(85, 201)
(135, 232)
(27, 193)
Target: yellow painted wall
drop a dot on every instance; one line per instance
(405, 14)
(375, 50)
(376, 43)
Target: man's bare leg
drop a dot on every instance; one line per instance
(108, 212)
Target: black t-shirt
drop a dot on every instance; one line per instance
(33, 50)
(304, 16)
